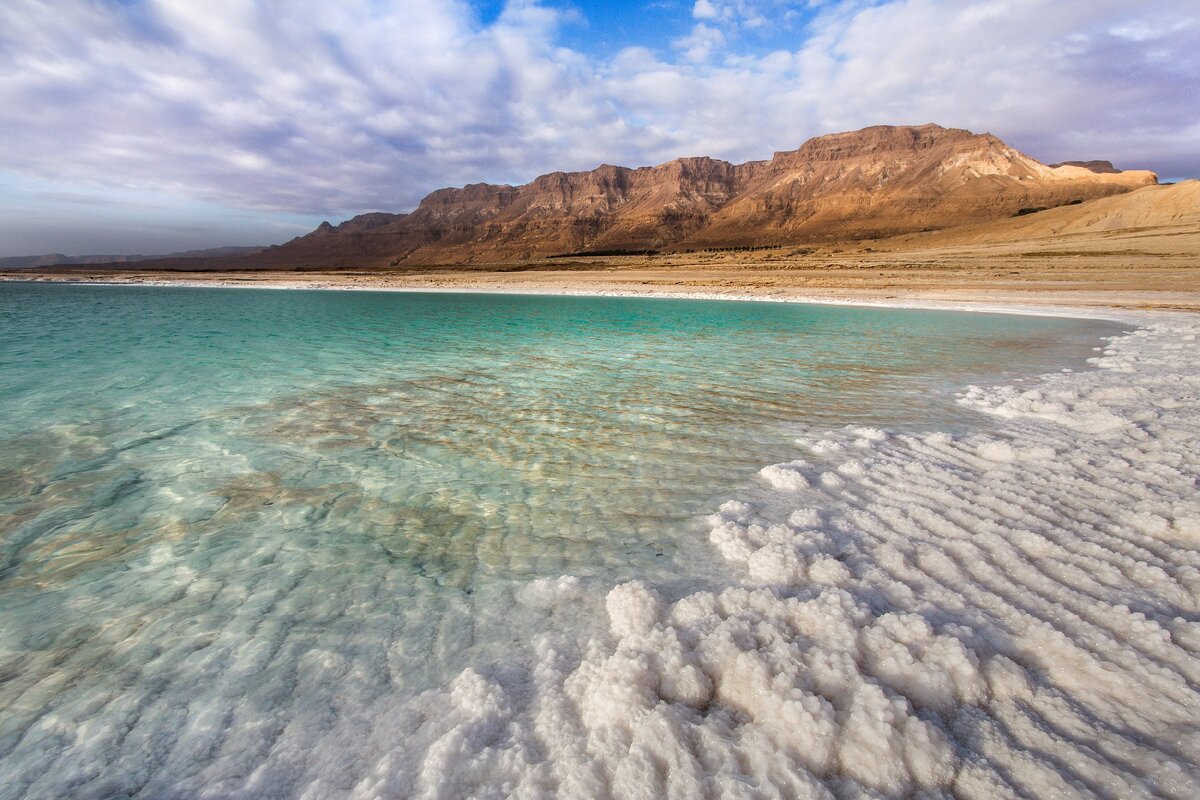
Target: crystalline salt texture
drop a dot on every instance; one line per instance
(1009, 614)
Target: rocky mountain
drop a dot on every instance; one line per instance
(872, 183)
(1094, 166)
(884, 181)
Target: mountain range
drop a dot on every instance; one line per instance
(873, 183)
(60, 260)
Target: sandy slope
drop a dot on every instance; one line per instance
(1162, 208)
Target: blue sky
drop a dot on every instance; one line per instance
(158, 125)
(603, 29)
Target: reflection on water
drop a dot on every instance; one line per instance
(204, 487)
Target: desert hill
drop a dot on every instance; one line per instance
(1140, 249)
(1168, 210)
(876, 182)
(873, 183)
(59, 259)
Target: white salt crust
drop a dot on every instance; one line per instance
(1009, 615)
(1004, 615)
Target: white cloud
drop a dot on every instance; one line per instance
(1053, 78)
(317, 107)
(290, 105)
(747, 13)
(701, 43)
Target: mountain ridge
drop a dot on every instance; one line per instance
(61, 259)
(873, 183)
(876, 182)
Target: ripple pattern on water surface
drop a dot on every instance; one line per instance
(241, 532)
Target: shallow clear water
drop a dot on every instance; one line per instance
(204, 491)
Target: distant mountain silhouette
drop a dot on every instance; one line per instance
(58, 259)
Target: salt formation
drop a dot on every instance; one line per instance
(1002, 615)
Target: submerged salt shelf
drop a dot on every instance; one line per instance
(331, 561)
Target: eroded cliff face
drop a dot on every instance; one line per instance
(884, 180)
(879, 181)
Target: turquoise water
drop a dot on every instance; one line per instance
(247, 510)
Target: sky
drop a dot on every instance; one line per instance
(150, 126)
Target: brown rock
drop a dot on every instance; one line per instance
(876, 182)
(1094, 166)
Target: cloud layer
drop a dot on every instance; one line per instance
(310, 107)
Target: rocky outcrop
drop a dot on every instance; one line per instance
(1094, 166)
(876, 182)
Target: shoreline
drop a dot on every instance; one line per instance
(1140, 259)
(1018, 585)
(1042, 304)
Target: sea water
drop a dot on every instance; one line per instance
(241, 529)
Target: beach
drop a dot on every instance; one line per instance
(998, 605)
(1132, 268)
(554, 400)
(988, 611)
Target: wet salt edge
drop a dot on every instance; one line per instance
(1003, 615)
(985, 615)
(657, 293)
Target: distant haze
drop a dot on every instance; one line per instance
(151, 126)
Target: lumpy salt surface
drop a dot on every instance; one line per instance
(323, 544)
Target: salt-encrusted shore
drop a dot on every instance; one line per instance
(1120, 306)
(1003, 615)
(1009, 614)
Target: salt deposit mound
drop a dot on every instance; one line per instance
(1009, 615)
